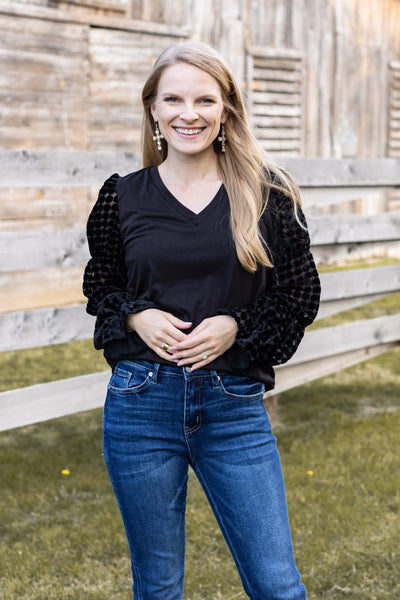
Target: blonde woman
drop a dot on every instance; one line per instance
(201, 279)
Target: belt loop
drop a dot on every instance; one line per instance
(215, 379)
(155, 369)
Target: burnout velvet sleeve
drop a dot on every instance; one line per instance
(105, 280)
(272, 326)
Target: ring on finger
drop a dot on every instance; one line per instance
(165, 347)
(204, 356)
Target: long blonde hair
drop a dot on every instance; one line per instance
(246, 170)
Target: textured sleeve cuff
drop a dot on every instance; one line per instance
(110, 323)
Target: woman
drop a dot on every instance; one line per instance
(201, 279)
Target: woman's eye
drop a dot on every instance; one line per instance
(171, 99)
(206, 101)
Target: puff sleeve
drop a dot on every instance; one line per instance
(272, 326)
(105, 279)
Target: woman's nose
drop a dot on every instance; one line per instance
(189, 113)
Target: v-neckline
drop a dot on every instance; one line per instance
(181, 208)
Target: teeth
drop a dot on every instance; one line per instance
(187, 131)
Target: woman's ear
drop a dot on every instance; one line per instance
(224, 116)
(154, 112)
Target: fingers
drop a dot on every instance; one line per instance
(210, 339)
(196, 351)
(178, 323)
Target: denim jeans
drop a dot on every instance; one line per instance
(158, 419)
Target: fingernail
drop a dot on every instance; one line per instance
(173, 357)
(180, 363)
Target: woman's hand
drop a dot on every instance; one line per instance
(211, 338)
(158, 329)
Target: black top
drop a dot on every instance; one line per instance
(150, 251)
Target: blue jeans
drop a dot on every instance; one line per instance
(159, 419)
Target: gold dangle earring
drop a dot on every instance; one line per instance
(222, 138)
(158, 137)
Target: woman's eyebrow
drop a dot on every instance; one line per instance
(177, 95)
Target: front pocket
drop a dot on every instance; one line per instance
(241, 388)
(127, 382)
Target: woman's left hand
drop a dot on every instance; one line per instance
(211, 338)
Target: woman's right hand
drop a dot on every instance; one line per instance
(158, 328)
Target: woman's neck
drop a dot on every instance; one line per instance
(190, 169)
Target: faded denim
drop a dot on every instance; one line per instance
(158, 420)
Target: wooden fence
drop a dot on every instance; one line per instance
(334, 236)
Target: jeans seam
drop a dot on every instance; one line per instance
(223, 528)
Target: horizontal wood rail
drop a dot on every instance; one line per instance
(68, 247)
(345, 344)
(80, 167)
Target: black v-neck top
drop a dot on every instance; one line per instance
(182, 262)
(148, 250)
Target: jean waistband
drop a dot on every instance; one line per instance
(174, 370)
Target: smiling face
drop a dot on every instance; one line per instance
(189, 109)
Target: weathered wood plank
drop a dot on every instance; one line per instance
(92, 18)
(344, 229)
(327, 172)
(52, 400)
(276, 110)
(346, 253)
(283, 87)
(271, 144)
(44, 326)
(277, 64)
(290, 376)
(269, 52)
(272, 122)
(275, 75)
(38, 249)
(56, 286)
(360, 282)
(72, 168)
(77, 168)
(267, 134)
(275, 98)
(340, 339)
(45, 208)
(331, 196)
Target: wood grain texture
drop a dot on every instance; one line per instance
(52, 400)
(57, 286)
(291, 375)
(348, 103)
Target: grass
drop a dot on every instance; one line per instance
(62, 537)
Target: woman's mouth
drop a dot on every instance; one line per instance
(186, 131)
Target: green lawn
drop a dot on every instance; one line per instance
(61, 537)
